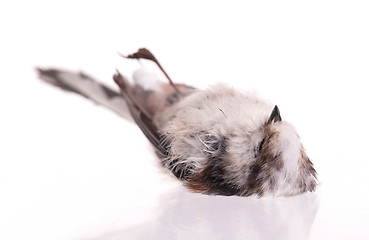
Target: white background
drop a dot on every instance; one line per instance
(70, 169)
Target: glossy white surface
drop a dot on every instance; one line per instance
(72, 170)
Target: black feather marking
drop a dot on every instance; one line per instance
(181, 170)
(109, 93)
(52, 76)
(211, 179)
(173, 98)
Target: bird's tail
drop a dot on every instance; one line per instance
(88, 87)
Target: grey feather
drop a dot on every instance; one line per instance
(88, 87)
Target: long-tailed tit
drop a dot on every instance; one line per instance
(217, 141)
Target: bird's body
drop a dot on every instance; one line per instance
(218, 141)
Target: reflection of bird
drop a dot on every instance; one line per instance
(181, 215)
(218, 141)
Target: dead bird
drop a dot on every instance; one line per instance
(217, 141)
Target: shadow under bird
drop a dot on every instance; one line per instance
(217, 141)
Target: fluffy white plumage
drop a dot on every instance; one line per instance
(146, 79)
(204, 118)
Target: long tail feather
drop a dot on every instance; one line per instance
(88, 87)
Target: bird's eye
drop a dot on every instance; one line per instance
(260, 147)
